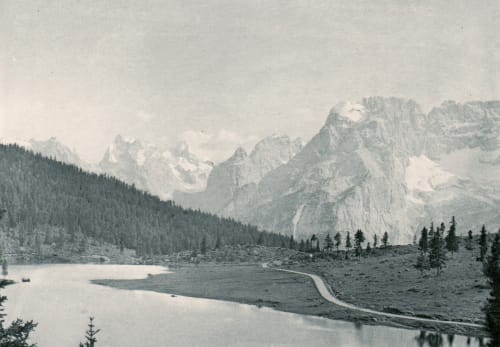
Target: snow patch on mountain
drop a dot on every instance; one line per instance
(352, 111)
(296, 219)
(423, 174)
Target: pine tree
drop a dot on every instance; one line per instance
(492, 307)
(348, 245)
(302, 246)
(437, 254)
(451, 238)
(368, 248)
(483, 244)
(17, 334)
(422, 262)
(431, 231)
(423, 243)
(314, 243)
(375, 240)
(359, 238)
(385, 239)
(90, 336)
(203, 245)
(338, 240)
(291, 243)
(328, 243)
(468, 244)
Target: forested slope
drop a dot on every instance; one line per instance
(48, 202)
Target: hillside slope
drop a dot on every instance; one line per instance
(48, 202)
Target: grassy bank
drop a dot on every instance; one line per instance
(251, 284)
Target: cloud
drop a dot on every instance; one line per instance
(217, 146)
(145, 116)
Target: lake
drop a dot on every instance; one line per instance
(61, 299)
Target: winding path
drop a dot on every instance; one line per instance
(325, 293)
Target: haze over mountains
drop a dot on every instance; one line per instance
(380, 165)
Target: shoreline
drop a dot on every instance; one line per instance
(269, 287)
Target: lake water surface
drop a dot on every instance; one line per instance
(61, 298)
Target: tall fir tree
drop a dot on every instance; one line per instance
(492, 307)
(423, 243)
(437, 253)
(451, 238)
(468, 242)
(483, 244)
(338, 240)
(359, 238)
(385, 239)
(328, 243)
(348, 244)
(375, 240)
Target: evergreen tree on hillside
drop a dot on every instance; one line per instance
(492, 307)
(483, 244)
(368, 248)
(338, 240)
(64, 204)
(302, 246)
(468, 242)
(437, 254)
(328, 243)
(385, 239)
(375, 240)
(348, 244)
(451, 238)
(423, 243)
(422, 262)
(203, 245)
(292, 244)
(359, 238)
(431, 231)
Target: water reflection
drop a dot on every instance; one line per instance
(431, 339)
(62, 296)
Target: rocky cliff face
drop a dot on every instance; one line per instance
(159, 171)
(379, 165)
(241, 173)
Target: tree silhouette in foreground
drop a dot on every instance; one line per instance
(17, 334)
(90, 335)
(492, 307)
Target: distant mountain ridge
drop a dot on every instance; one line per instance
(153, 169)
(241, 172)
(380, 165)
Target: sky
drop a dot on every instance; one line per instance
(219, 74)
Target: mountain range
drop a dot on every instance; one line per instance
(380, 164)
